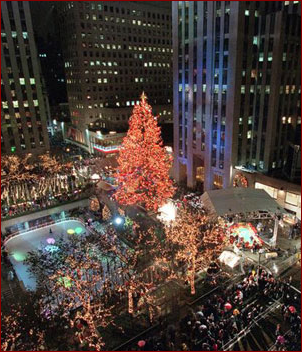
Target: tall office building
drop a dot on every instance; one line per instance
(23, 108)
(112, 52)
(236, 88)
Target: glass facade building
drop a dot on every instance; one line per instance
(24, 112)
(236, 88)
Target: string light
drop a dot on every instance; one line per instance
(143, 164)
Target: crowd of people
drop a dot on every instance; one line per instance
(221, 317)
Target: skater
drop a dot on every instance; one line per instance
(50, 230)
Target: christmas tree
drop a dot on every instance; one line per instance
(143, 171)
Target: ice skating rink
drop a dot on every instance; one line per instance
(41, 238)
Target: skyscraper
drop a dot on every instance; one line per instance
(236, 87)
(112, 52)
(23, 109)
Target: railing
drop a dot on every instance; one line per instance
(248, 329)
(153, 327)
(106, 148)
(45, 224)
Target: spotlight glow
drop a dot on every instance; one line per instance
(118, 220)
(167, 212)
(19, 256)
(50, 240)
(78, 230)
(51, 248)
(65, 281)
(70, 231)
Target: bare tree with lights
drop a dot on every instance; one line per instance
(185, 234)
(72, 276)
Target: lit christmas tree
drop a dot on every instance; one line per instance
(143, 171)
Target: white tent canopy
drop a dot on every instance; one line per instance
(239, 200)
(229, 258)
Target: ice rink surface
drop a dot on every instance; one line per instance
(42, 238)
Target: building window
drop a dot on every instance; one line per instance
(292, 198)
(273, 192)
(218, 181)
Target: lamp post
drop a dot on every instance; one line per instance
(261, 250)
(275, 234)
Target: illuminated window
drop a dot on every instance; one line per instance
(218, 181)
(292, 198)
(284, 119)
(32, 81)
(270, 190)
(22, 81)
(260, 56)
(289, 120)
(249, 134)
(270, 57)
(247, 12)
(36, 103)
(15, 103)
